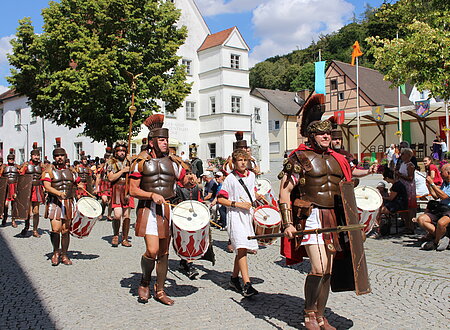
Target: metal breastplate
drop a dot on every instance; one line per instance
(83, 173)
(11, 173)
(158, 176)
(320, 185)
(36, 171)
(64, 180)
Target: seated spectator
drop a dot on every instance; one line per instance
(432, 171)
(406, 173)
(421, 185)
(436, 218)
(381, 186)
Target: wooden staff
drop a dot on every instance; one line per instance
(337, 229)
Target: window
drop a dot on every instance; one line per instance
(274, 147)
(212, 150)
(190, 110)
(133, 149)
(1, 117)
(78, 148)
(422, 95)
(18, 119)
(235, 59)
(341, 96)
(212, 103)
(188, 64)
(257, 115)
(276, 125)
(22, 155)
(33, 118)
(333, 84)
(235, 104)
(170, 114)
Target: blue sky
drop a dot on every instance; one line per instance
(270, 27)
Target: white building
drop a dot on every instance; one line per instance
(219, 103)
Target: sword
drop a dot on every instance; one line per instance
(337, 229)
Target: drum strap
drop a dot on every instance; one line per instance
(245, 188)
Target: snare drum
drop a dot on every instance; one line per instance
(88, 211)
(190, 225)
(266, 220)
(368, 201)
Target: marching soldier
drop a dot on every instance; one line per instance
(35, 168)
(10, 170)
(118, 168)
(102, 184)
(85, 174)
(60, 183)
(153, 182)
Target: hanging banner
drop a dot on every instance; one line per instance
(442, 127)
(319, 85)
(339, 117)
(378, 112)
(422, 108)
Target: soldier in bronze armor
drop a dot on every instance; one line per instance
(60, 183)
(118, 168)
(84, 172)
(153, 179)
(10, 170)
(309, 195)
(35, 168)
(102, 184)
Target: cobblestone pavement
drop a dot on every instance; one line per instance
(410, 288)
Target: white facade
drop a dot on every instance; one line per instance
(219, 103)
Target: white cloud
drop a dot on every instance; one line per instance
(217, 7)
(3, 89)
(5, 48)
(282, 25)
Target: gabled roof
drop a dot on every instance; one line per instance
(283, 101)
(219, 38)
(8, 94)
(372, 84)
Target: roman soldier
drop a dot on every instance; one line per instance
(102, 184)
(60, 183)
(10, 170)
(35, 168)
(154, 177)
(117, 168)
(310, 199)
(84, 172)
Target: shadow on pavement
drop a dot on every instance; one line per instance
(303, 267)
(222, 279)
(76, 255)
(20, 304)
(285, 308)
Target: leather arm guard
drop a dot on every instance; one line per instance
(286, 215)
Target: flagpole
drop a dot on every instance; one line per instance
(446, 123)
(400, 124)
(358, 124)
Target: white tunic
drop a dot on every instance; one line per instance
(240, 221)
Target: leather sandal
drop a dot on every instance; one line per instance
(311, 321)
(115, 241)
(36, 234)
(14, 224)
(55, 259)
(126, 243)
(65, 260)
(323, 323)
(162, 297)
(143, 292)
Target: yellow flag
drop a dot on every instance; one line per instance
(356, 52)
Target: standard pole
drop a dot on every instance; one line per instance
(43, 140)
(446, 122)
(358, 124)
(400, 124)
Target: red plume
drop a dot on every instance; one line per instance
(35, 145)
(239, 135)
(12, 151)
(108, 149)
(154, 121)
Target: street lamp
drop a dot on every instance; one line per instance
(25, 126)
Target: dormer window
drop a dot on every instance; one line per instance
(235, 61)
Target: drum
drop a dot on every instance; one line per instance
(263, 187)
(190, 227)
(266, 220)
(88, 211)
(368, 201)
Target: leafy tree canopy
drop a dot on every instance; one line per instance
(421, 54)
(78, 70)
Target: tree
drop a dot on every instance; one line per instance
(305, 79)
(78, 71)
(422, 55)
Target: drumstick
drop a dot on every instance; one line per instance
(265, 214)
(88, 192)
(215, 224)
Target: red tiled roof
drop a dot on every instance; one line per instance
(216, 39)
(8, 94)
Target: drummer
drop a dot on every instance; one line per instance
(84, 172)
(153, 178)
(59, 182)
(238, 194)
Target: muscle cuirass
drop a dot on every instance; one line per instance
(12, 173)
(64, 180)
(158, 176)
(320, 185)
(36, 171)
(83, 173)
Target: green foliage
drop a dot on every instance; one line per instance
(304, 79)
(421, 55)
(77, 71)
